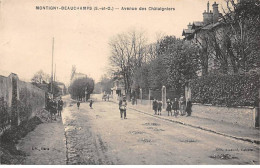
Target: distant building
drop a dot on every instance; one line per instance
(77, 76)
(118, 85)
(62, 88)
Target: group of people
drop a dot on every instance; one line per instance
(179, 106)
(54, 106)
(175, 107)
(157, 107)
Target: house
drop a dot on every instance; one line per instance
(206, 34)
(77, 76)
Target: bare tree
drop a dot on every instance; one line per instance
(127, 54)
(242, 23)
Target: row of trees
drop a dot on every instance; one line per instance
(172, 62)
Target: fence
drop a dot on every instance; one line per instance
(18, 101)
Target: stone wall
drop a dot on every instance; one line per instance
(244, 116)
(19, 101)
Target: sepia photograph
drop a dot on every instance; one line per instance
(129, 82)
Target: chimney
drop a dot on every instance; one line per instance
(207, 16)
(215, 12)
(208, 7)
(189, 26)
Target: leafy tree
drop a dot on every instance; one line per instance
(79, 86)
(106, 84)
(180, 60)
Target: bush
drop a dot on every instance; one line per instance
(226, 90)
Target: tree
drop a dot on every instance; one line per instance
(180, 61)
(242, 23)
(79, 86)
(106, 84)
(40, 77)
(127, 54)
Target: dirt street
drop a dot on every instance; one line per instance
(99, 136)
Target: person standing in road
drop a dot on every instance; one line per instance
(175, 107)
(122, 107)
(60, 106)
(188, 108)
(169, 107)
(155, 106)
(90, 103)
(160, 108)
(53, 108)
(78, 104)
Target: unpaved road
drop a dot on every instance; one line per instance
(99, 136)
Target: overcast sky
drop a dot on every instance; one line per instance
(81, 37)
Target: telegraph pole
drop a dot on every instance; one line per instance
(52, 66)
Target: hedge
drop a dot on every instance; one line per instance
(226, 90)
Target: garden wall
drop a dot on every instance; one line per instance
(19, 101)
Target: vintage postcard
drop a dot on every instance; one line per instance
(129, 82)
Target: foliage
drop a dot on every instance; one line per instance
(55, 89)
(40, 77)
(106, 84)
(175, 65)
(79, 86)
(242, 26)
(4, 114)
(226, 90)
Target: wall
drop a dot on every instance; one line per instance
(18, 103)
(32, 98)
(244, 116)
(6, 89)
(241, 116)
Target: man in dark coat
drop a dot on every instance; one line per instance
(60, 106)
(78, 104)
(175, 107)
(155, 106)
(188, 108)
(53, 108)
(169, 107)
(90, 103)
(122, 107)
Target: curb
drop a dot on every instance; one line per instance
(255, 141)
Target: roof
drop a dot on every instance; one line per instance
(197, 24)
(210, 26)
(187, 31)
